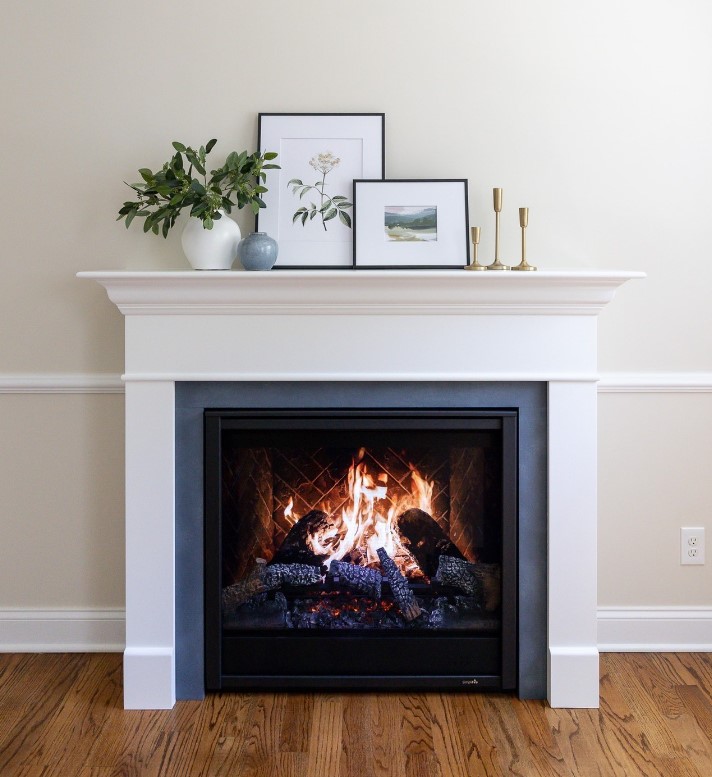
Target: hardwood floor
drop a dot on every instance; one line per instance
(61, 716)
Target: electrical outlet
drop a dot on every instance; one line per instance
(692, 545)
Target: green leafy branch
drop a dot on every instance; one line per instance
(329, 207)
(162, 195)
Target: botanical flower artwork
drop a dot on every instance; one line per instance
(321, 203)
(410, 223)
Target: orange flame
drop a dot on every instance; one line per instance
(289, 509)
(370, 520)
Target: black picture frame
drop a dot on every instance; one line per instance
(281, 132)
(442, 246)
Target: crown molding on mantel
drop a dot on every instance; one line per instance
(363, 292)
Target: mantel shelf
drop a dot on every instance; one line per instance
(363, 292)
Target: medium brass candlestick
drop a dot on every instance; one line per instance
(475, 232)
(523, 221)
(497, 265)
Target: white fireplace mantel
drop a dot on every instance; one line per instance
(330, 325)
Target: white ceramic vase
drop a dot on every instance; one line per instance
(211, 249)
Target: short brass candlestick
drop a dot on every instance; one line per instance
(497, 265)
(523, 221)
(475, 232)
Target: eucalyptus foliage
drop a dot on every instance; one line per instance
(176, 186)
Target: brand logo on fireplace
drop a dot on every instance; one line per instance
(473, 681)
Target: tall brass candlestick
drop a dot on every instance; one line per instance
(475, 232)
(523, 222)
(497, 265)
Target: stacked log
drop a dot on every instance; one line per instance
(263, 578)
(489, 577)
(425, 540)
(480, 580)
(296, 549)
(399, 586)
(456, 572)
(277, 575)
(357, 578)
(239, 593)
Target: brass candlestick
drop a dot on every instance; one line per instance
(523, 221)
(497, 265)
(475, 232)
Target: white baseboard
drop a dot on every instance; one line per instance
(620, 629)
(655, 629)
(62, 631)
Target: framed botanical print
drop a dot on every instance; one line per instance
(309, 200)
(408, 224)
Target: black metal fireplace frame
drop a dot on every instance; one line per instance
(451, 653)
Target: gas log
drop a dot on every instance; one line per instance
(482, 581)
(276, 575)
(366, 581)
(295, 548)
(263, 578)
(425, 540)
(399, 586)
(457, 573)
(237, 594)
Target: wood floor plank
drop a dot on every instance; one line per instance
(297, 723)
(700, 667)
(252, 753)
(658, 675)
(512, 745)
(700, 707)
(531, 716)
(622, 733)
(384, 720)
(356, 750)
(24, 741)
(448, 747)
(647, 705)
(61, 716)
(324, 752)
(82, 715)
(417, 737)
(571, 739)
(477, 740)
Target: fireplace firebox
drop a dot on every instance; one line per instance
(361, 548)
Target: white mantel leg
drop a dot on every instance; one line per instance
(573, 651)
(149, 658)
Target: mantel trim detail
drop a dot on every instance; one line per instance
(387, 293)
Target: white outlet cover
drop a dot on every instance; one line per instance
(692, 545)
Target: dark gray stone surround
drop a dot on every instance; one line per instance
(529, 398)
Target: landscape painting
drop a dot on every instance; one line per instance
(411, 223)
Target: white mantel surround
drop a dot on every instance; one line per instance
(328, 325)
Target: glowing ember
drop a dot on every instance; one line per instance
(369, 520)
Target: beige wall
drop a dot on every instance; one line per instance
(594, 114)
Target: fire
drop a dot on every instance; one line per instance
(422, 490)
(370, 520)
(289, 509)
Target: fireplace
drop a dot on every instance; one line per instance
(361, 548)
(258, 331)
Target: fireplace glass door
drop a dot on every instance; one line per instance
(360, 548)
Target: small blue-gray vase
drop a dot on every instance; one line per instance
(258, 251)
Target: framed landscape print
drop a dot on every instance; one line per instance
(407, 224)
(309, 202)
